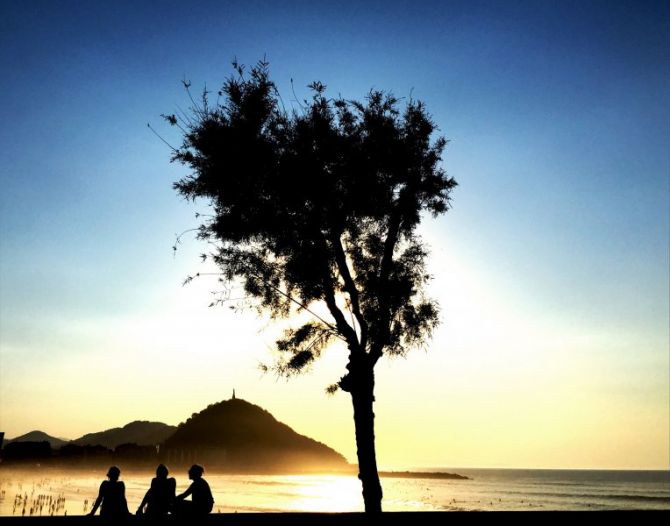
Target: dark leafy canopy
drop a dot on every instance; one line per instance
(320, 204)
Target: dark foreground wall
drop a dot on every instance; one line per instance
(346, 519)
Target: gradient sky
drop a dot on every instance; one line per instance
(552, 269)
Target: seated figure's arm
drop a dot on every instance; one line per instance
(145, 501)
(186, 493)
(98, 501)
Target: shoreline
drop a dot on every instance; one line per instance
(32, 491)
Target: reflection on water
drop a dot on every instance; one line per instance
(47, 491)
(25, 492)
(293, 493)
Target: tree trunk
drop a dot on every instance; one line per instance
(362, 397)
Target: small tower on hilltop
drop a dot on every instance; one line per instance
(233, 398)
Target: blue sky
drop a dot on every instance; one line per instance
(558, 115)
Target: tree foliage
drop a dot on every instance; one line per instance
(319, 204)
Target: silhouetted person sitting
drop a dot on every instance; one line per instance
(201, 502)
(160, 496)
(112, 496)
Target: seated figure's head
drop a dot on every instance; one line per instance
(113, 473)
(195, 472)
(162, 471)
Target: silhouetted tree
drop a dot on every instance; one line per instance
(321, 204)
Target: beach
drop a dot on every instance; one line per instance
(41, 492)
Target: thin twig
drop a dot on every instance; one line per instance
(161, 138)
(277, 289)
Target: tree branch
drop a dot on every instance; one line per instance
(350, 287)
(287, 296)
(343, 327)
(384, 321)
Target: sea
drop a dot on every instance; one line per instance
(51, 492)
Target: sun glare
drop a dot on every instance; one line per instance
(326, 493)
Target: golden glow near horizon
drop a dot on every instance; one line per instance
(551, 268)
(496, 387)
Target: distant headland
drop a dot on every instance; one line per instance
(230, 436)
(421, 475)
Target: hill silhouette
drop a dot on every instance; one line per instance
(39, 436)
(140, 432)
(239, 436)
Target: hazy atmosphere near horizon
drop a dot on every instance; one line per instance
(551, 269)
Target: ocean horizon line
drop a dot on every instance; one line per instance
(434, 469)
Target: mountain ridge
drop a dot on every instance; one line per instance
(39, 436)
(232, 435)
(140, 432)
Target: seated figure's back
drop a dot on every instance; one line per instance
(114, 498)
(161, 496)
(202, 496)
